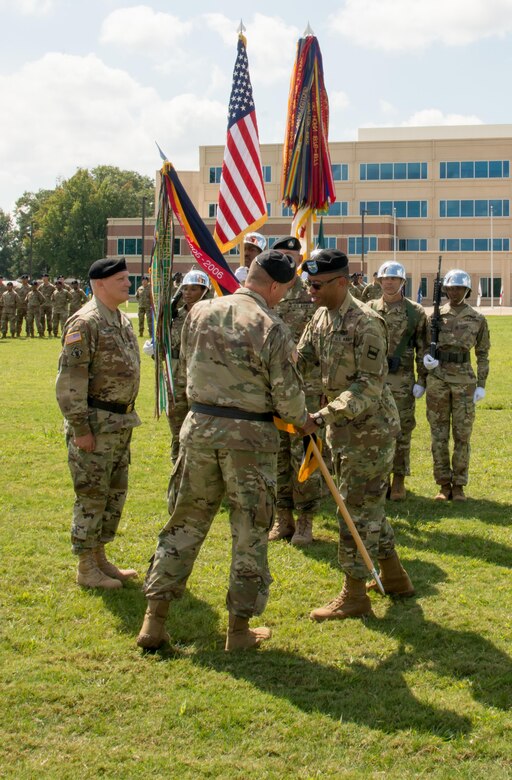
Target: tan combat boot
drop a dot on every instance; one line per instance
(241, 637)
(445, 493)
(152, 633)
(352, 602)
(109, 569)
(397, 492)
(284, 527)
(394, 578)
(304, 531)
(458, 493)
(90, 576)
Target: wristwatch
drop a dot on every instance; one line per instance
(319, 420)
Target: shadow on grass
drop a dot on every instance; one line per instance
(418, 509)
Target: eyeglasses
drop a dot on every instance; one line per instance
(319, 285)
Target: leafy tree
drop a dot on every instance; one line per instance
(7, 243)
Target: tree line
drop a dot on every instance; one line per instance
(62, 231)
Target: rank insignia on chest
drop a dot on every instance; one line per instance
(373, 353)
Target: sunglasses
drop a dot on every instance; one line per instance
(319, 285)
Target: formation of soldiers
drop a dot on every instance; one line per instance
(42, 306)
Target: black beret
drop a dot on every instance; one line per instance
(288, 242)
(10, 284)
(24, 276)
(34, 281)
(280, 267)
(326, 262)
(107, 266)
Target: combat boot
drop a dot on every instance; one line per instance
(241, 637)
(90, 576)
(109, 569)
(397, 491)
(352, 602)
(152, 633)
(458, 493)
(394, 578)
(284, 527)
(445, 493)
(304, 531)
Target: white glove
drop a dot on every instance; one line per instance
(429, 362)
(148, 348)
(478, 394)
(418, 391)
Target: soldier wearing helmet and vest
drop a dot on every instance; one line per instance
(143, 296)
(453, 389)
(254, 245)
(194, 287)
(406, 322)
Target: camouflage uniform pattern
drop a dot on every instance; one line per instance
(401, 382)
(178, 410)
(450, 389)
(362, 420)
(296, 309)
(10, 302)
(60, 306)
(235, 352)
(47, 291)
(143, 296)
(21, 308)
(372, 292)
(355, 291)
(100, 359)
(77, 298)
(34, 303)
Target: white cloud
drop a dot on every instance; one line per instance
(433, 116)
(140, 28)
(338, 100)
(68, 111)
(386, 107)
(29, 7)
(403, 25)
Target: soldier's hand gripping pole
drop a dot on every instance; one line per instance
(436, 317)
(346, 515)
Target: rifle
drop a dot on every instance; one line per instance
(174, 303)
(436, 319)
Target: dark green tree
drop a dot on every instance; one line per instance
(7, 244)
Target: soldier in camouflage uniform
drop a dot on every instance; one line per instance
(34, 303)
(21, 308)
(349, 341)
(239, 364)
(10, 302)
(354, 288)
(143, 296)
(452, 387)
(195, 287)
(97, 384)
(77, 297)
(3, 289)
(60, 307)
(372, 291)
(296, 309)
(406, 322)
(47, 289)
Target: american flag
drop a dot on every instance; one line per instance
(242, 203)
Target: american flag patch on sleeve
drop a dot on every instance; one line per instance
(72, 338)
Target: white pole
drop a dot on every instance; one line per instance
(492, 259)
(394, 235)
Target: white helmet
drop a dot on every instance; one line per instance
(257, 239)
(241, 273)
(196, 277)
(392, 269)
(457, 278)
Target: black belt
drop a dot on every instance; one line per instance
(232, 412)
(107, 406)
(454, 357)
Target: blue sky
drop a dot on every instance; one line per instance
(96, 82)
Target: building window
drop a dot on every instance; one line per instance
(474, 244)
(411, 244)
(475, 169)
(266, 172)
(354, 244)
(215, 174)
(338, 209)
(212, 210)
(330, 242)
(269, 209)
(235, 250)
(129, 246)
(485, 283)
(176, 247)
(340, 171)
(473, 208)
(390, 171)
(286, 211)
(404, 208)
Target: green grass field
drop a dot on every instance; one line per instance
(424, 689)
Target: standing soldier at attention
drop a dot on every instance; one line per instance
(239, 364)
(97, 384)
(60, 307)
(406, 322)
(21, 308)
(10, 302)
(452, 387)
(194, 288)
(143, 296)
(372, 290)
(349, 341)
(77, 297)
(3, 289)
(46, 289)
(296, 309)
(34, 302)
